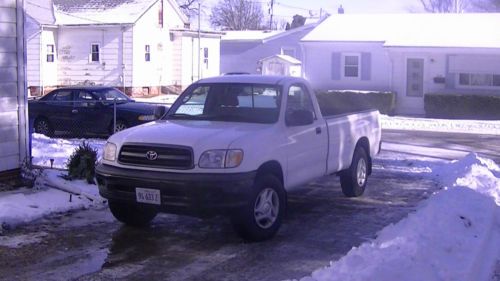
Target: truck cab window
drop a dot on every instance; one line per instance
(299, 99)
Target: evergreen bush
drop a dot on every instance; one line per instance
(462, 106)
(341, 102)
(81, 164)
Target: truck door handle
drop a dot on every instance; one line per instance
(318, 130)
(74, 111)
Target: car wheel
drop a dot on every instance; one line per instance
(43, 126)
(261, 218)
(353, 180)
(132, 214)
(119, 126)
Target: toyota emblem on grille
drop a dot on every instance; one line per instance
(151, 155)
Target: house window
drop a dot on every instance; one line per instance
(147, 54)
(94, 53)
(351, 65)
(288, 51)
(50, 53)
(479, 80)
(205, 57)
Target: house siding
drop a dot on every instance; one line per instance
(147, 31)
(33, 63)
(12, 100)
(75, 67)
(323, 66)
(437, 63)
(177, 58)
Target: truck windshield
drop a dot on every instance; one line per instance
(228, 102)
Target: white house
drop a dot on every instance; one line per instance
(243, 51)
(410, 54)
(13, 128)
(190, 65)
(128, 44)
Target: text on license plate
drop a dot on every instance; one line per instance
(146, 195)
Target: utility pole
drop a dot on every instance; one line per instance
(199, 40)
(271, 13)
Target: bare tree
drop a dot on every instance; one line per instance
(445, 6)
(237, 15)
(487, 5)
(189, 7)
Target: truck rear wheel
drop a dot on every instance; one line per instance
(132, 214)
(353, 180)
(261, 218)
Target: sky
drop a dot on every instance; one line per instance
(284, 10)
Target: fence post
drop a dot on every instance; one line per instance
(114, 116)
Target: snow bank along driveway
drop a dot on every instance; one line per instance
(454, 235)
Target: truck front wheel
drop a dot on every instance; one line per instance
(353, 180)
(132, 214)
(261, 218)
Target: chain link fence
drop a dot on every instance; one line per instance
(57, 127)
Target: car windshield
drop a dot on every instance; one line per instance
(252, 103)
(110, 94)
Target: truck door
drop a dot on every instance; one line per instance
(307, 144)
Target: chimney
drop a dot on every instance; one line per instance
(340, 10)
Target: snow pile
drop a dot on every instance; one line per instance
(454, 235)
(477, 173)
(440, 125)
(44, 148)
(58, 195)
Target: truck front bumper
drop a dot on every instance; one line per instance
(193, 194)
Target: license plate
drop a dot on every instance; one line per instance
(146, 195)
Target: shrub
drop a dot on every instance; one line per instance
(340, 102)
(462, 106)
(81, 164)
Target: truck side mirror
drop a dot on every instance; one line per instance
(299, 117)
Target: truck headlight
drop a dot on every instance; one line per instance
(109, 153)
(221, 158)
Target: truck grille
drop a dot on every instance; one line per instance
(154, 155)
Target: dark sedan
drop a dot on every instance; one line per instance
(89, 111)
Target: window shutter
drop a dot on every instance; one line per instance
(336, 66)
(366, 66)
(450, 77)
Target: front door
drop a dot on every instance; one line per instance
(414, 97)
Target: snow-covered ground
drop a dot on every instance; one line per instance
(454, 235)
(164, 99)
(441, 125)
(51, 194)
(43, 149)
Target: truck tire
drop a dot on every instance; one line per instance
(132, 214)
(353, 180)
(261, 218)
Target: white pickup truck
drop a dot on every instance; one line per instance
(235, 145)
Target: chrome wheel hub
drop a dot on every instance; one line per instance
(361, 172)
(266, 208)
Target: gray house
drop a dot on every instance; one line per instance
(13, 116)
(243, 51)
